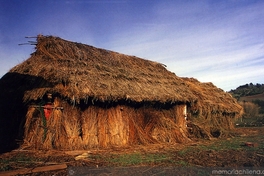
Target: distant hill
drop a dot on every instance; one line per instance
(248, 90)
(250, 93)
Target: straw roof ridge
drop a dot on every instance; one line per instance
(79, 72)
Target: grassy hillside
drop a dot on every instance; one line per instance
(251, 97)
(248, 90)
(250, 93)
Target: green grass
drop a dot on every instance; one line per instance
(132, 159)
(126, 159)
(4, 165)
(231, 144)
(19, 159)
(176, 158)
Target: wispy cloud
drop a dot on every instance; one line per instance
(212, 46)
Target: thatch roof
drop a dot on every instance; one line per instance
(212, 98)
(82, 72)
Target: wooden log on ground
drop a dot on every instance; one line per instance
(34, 170)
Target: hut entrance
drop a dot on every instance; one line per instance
(181, 115)
(46, 106)
(41, 121)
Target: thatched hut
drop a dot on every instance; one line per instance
(99, 98)
(69, 95)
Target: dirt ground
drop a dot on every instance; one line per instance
(245, 149)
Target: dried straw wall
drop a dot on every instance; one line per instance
(102, 127)
(208, 122)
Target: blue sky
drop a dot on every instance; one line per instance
(213, 41)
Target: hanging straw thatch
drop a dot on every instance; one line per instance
(214, 112)
(108, 99)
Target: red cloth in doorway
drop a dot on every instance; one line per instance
(47, 111)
